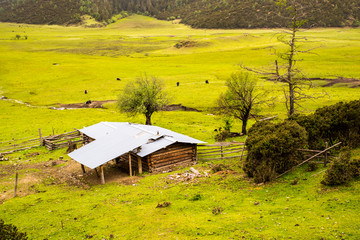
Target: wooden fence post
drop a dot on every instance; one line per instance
(139, 165)
(325, 154)
(222, 155)
(130, 167)
(83, 168)
(16, 182)
(102, 174)
(242, 152)
(41, 139)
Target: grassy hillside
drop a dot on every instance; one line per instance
(197, 13)
(56, 64)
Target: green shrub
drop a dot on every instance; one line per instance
(339, 171)
(355, 167)
(336, 123)
(272, 149)
(9, 231)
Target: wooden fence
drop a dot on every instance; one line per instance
(220, 151)
(62, 140)
(51, 142)
(14, 145)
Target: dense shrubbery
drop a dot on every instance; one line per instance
(272, 149)
(197, 13)
(10, 232)
(335, 123)
(342, 170)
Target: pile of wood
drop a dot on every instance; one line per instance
(62, 140)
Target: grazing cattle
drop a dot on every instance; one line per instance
(207, 81)
(118, 79)
(85, 91)
(88, 102)
(178, 84)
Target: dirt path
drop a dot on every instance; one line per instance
(52, 172)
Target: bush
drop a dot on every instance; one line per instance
(9, 231)
(355, 167)
(272, 149)
(339, 172)
(335, 123)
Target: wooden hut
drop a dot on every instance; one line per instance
(135, 147)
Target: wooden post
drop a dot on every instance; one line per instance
(53, 131)
(221, 149)
(325, 154)
(83, 168)
(16, 182)
(130, 168)
(242, 152)
(139, 164)
(102, 174)
(97, 174)
(41, 139)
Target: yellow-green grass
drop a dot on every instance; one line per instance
(279, 210)
(92, 59)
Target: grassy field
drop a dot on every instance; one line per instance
(56, 64)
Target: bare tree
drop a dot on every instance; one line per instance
(285, 69)
(241, 98)
(144, 96)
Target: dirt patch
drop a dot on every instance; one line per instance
(88, 104)
(178, 107)
(186, 44)
(99, 104)
(352, 82)
(53, 172)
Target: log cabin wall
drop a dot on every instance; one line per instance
(178, 154)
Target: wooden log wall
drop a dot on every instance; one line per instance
(178, 154)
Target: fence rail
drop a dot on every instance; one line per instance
(218, 151)
(51, 142)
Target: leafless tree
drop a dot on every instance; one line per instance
(285, 69)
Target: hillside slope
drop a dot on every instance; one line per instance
(197, 13)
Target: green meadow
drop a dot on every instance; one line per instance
(56, 64)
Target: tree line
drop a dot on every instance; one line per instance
(197, 13)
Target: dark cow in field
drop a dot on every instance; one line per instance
(118, 79)
(88, 102)
(178, 84)
(207, 81)
(85, 91)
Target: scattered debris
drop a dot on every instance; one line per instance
(217, 210)
(256, 203)
(295, 181)
(188, 175)
(163, 205)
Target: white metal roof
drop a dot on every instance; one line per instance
(113, 139)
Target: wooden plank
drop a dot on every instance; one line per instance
(218, 150)
(16, 183)
(222, 154)
(155, 160)
(210, 159)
